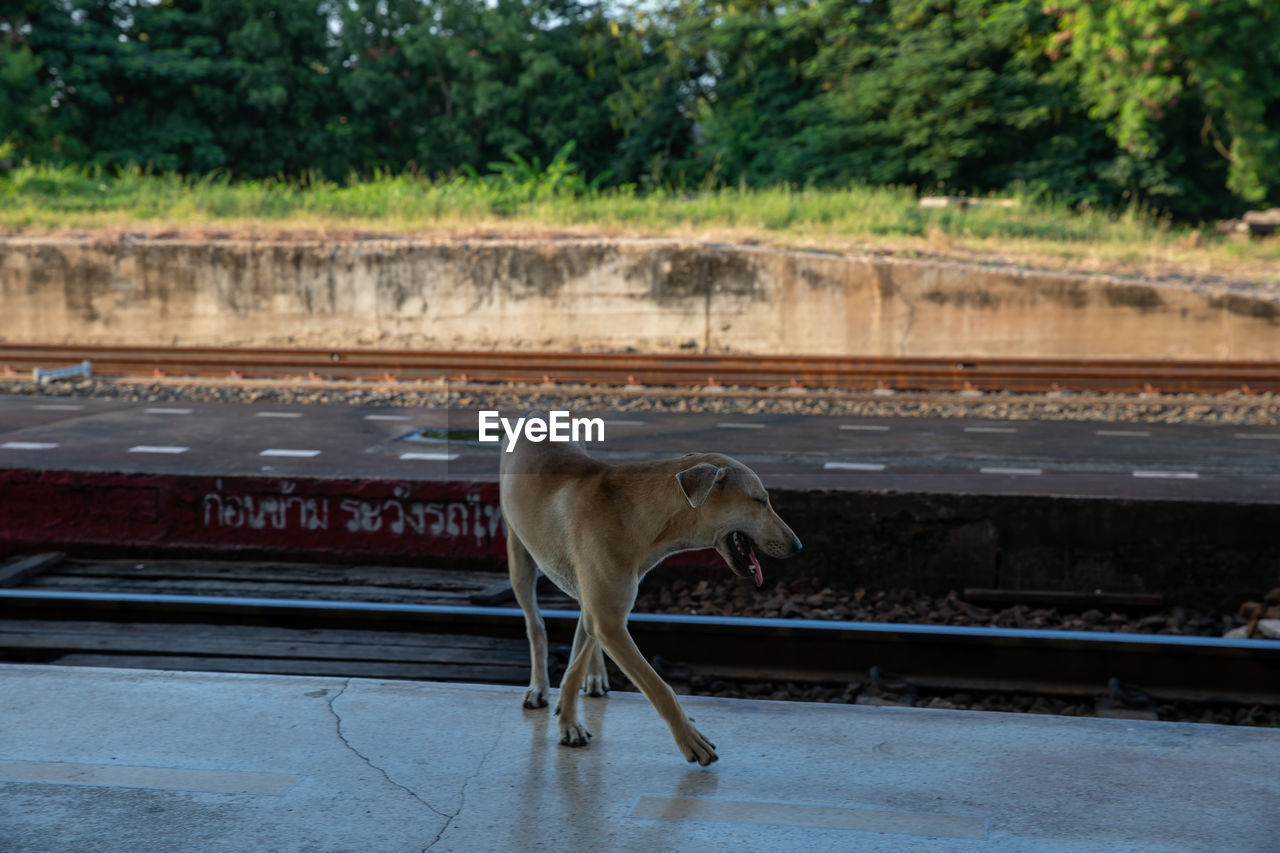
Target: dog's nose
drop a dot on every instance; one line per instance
(796, 545)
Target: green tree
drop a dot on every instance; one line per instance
(27, 131)
(278, 102)
(456, 82)
(756, 54)
(659, 78)
(947, 93)
(707, 90)
(189, 85)
(1146, 66)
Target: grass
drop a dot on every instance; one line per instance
(38, 200)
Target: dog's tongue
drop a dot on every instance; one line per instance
(755, 564)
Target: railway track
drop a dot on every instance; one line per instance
(378, 639)
(696, 370)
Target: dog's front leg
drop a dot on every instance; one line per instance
(613, 635)
(585, 649)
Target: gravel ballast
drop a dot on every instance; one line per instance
(810, 598)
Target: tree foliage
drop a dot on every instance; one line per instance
(1173, 104)
(945, 92)
(459, 82)
(1144, 65)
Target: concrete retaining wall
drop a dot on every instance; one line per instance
(604, 295)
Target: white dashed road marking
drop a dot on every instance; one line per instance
(60, 407)
(387, 418)
(1274, 436)
(430, 457)
(624, 423)
(1139, 433)
(739, 426)
(865, 427)
(279, 414)
(157, 448)
(168, 411)
(284, 451)
(28, 445)
(1027, 471)
(1167, 475)
(989, 429)
(853, 466)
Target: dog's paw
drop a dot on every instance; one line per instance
(535, 697)
(596, 684)
(696, 747)
(573, 734)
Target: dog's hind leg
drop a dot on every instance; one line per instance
(597, 678)
(524, 582)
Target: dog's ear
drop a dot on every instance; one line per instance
(696, 482)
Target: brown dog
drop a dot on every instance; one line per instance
(596, 530)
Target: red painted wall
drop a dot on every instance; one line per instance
(80, 512)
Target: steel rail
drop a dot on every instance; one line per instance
(929, 656)
(666, 369)
(838, 372)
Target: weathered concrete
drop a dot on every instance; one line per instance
(123, 760)
(606, 295)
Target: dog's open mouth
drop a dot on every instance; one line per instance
(741, 557)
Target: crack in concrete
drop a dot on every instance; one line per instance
(462, 795)
(338, 719)
(905, 338)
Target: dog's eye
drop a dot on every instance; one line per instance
(762, 501)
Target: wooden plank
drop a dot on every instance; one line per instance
(307, 581)
(20, 570)
(245, 641)
(334, 636)
(509, 654)
(310, 573)
(500, 592)
(338, 668)
(252, 589)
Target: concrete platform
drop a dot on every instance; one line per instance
(1060, 458)
(931, 504)
(126, 760)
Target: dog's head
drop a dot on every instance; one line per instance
(734, 513)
